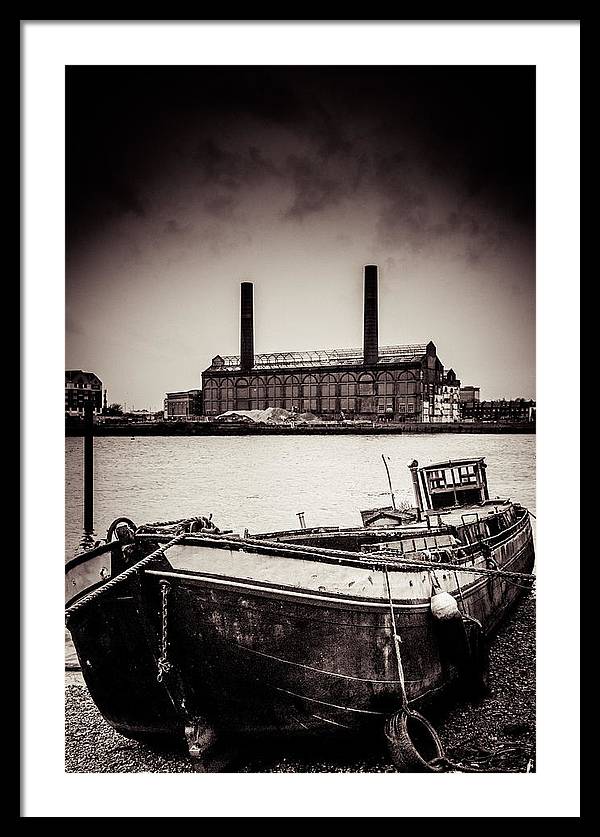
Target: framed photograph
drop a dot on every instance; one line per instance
(302, 303)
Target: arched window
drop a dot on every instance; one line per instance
(407, 391)
(366, 392)
(212, 397)
(348, 392)
(291, 390)
(385, 394)
(385, 383)
(227, 395)
(309, 394)
(274, 391)
(406, 384)
(258, 393)
(242, 394)
(366, 384)
(328, 394)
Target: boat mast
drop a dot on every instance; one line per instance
(389, 481)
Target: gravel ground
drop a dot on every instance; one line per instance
(496, 734)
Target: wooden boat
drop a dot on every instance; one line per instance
(182, 630)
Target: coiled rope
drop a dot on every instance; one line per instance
(185, 524)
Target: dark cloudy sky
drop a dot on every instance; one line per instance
(184, 181)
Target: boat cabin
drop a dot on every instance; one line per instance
(451, 484)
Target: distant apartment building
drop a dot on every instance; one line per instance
(469, 395)
(182, 406)
(80, 388)
(517, 410)
(447, 399)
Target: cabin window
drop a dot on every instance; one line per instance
(467, 475)
(436, 479)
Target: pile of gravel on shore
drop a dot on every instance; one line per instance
(495, 735)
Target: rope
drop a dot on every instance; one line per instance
(460, 592)
(506, 574)
(119, 579)
(447, 763)
(341, 555)
(397, 641)
(185, 522)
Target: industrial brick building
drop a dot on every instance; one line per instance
(405, 383)
(183, 406)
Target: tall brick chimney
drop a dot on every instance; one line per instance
(370, 332)
(247, 326)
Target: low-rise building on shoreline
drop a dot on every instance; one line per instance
(82, 388)
(185, 405)
(516, 410)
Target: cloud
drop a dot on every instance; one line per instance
(221, 206)
(314, 190)
(231, 169)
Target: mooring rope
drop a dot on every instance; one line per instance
(362, 558)
(397, 641)
(505, 574)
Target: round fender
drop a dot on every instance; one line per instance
(412, 742)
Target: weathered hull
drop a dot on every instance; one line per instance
(254, 657)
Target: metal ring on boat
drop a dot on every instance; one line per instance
(115, 523)
(413, 743)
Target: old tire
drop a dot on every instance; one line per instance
(412, 742)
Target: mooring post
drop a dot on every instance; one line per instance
(88, 467)
(413, 467)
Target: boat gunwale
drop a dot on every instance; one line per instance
(336, 556)
(94, 552)
(315, 554)
(273, 590)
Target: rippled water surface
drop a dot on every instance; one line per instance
(261, 483)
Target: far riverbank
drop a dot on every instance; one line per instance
(212, 428)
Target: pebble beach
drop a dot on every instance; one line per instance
(495, 735)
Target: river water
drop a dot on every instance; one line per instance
(262, 482)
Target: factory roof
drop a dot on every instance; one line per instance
(412, 353)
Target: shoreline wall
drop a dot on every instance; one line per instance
(198, 428)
